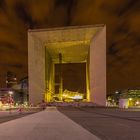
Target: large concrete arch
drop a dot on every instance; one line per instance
(44, 45)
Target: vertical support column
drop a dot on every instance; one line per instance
(52, 81)
(87, 82)
(48, 75)
(87, 77)
(98, 68)
(46, 88)
(60, 77)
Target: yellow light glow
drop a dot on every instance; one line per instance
(137, 102)
(130, 99)
(77, 97)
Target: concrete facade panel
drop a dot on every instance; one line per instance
(36, 70)
(98, 68)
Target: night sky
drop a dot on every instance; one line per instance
(122, 18)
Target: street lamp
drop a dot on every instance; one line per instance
(10, 100)
(10, 93)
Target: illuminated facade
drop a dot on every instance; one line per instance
(52, 51)
(130, 97)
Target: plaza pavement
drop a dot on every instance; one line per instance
(49, 124)
(107, 123)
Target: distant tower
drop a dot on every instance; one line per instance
(10, 79)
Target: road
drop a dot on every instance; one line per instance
(107, 124)
(7, 116)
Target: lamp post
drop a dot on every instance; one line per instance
(10, 100)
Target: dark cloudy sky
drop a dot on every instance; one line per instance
(122, 18)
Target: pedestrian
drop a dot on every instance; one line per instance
(20, 109)
(43, 105)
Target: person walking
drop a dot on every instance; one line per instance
(20, 109)
(43, 105)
